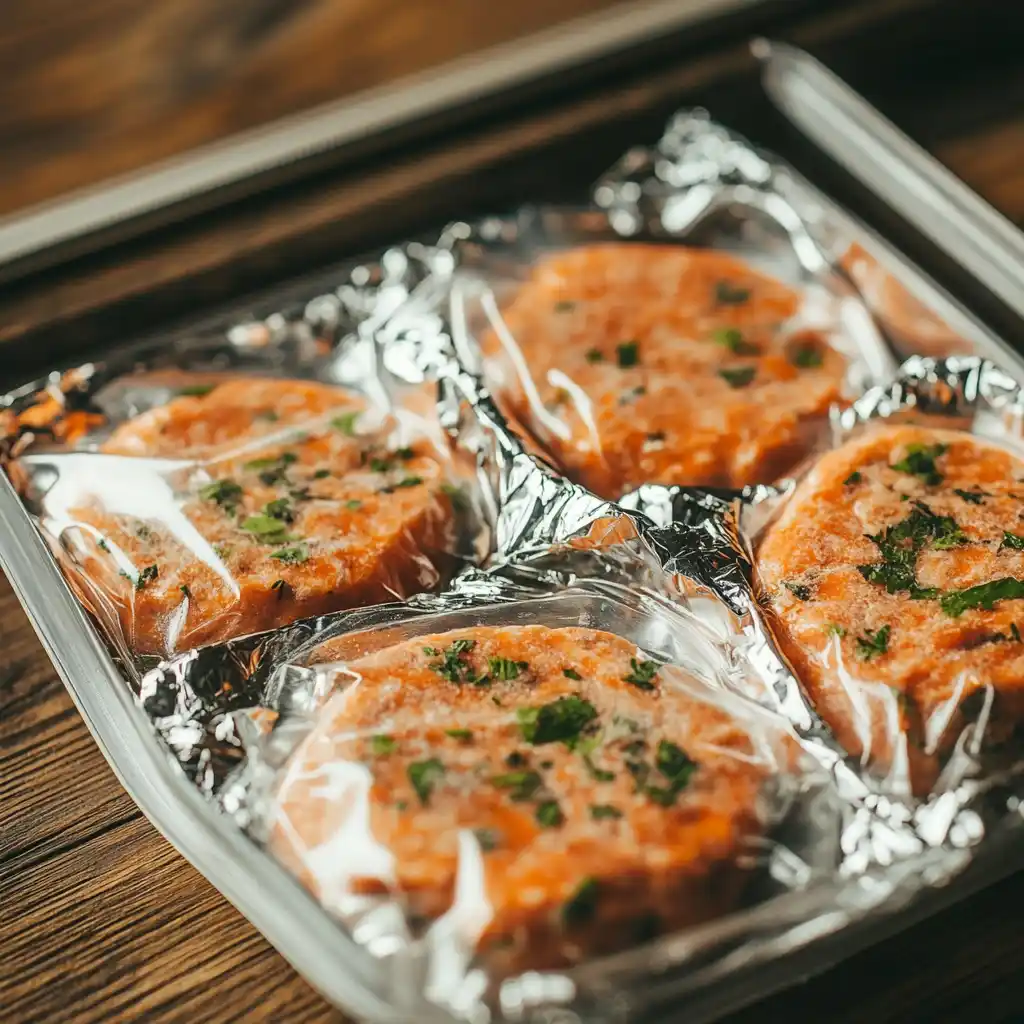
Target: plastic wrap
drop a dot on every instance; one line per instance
(237, 484)
(588, 760)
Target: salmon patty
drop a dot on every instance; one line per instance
(895, 581)
(662, 364)
(584, 796)
(300, 502)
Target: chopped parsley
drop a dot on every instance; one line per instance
(873, 642)
(280, 587)
(920, 462)
(523, 784)
(293, 555)
(643, 674)
(562, 720)
(225, 493)
(353, 503)
(582, 905)
(183, 587)
(597, 774)
(834, 629)
(1012, 540)
(280, 508)
(727, 294)
(956, 602)
(346, 423)
(732, 338)
(379, 465)
(453, 665)
(456, 495)
(900, 545)
(549, 814)
(506, 669)
(459, 734)
(272, 470)
(405, 454)
(487, 838)
(806, 355)
(516, 759)
(800, 591)
(409, 481)
(973, 497)
(601, 812)
(320, 474)
(267, 529)
(595, 355)
(571, 673)
(677, 767)
(564, 306)
(102, 544)
(423, 775)
(145, 576)
(382, 745)
(739, 377)
(854, 478)
(628, 354)
(1015, 633)
(269, 415)
(195, 390)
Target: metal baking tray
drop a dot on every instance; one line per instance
(181, 814)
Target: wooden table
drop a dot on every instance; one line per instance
(100, 920)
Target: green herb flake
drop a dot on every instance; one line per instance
(459, 734)
(628, 354)
(571, 673)
(195, 390)
(506, 669)
(147, 575)
(424, 775)
(595, 355)
(732, 339)
(972, 497)
(267, 529)
(854, 478)
(956, 602)
(1015, 633)
(268, 415)
(184, 590)
(597, 774)
(834, 629)
(346, 423)
(456, 495)
(453, 665)
(799, 590)
(293, 555)
(727, 294)
(739, 377)
(806, 355)
(549, 814)
(103, 545)
(409, 481)
(379, 465)
(581, 907)
(516, 759)
(920, 462)
(225, 493)
(562, 720)
(602, 812)
(564, 306)
(279, 508)
(1013, 541)
(280, 587)
(872, 642)
(383, 745)
(353, 503)
(677, 767)
(488, 838)
(521, 784)
(643, 674)
(321, 474)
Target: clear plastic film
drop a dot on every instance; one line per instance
(577, 748)
(686, 329)
(237, 483)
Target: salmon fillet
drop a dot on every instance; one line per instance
(301, 503)
(663, 364)
(895, 582)
(554, 790)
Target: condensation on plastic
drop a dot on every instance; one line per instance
(670, 569)
(686, 329)
(238, 483)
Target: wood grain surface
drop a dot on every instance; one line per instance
(100, 920)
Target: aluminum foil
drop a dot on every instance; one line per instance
(670, 569)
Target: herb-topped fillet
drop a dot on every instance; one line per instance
(301, 501)
(595, 788)
(662, 364)
(895, 580)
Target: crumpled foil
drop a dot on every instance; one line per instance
(231, 714)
